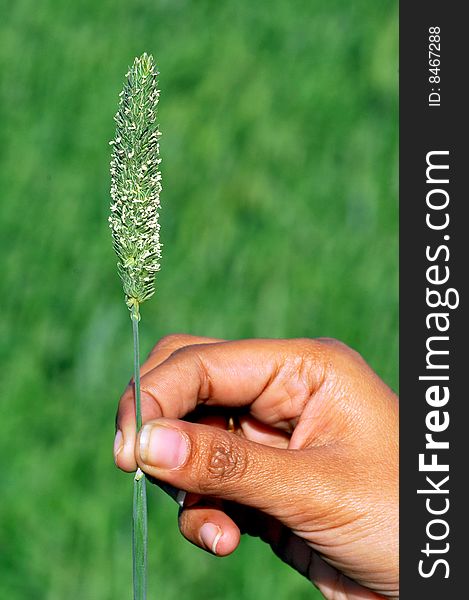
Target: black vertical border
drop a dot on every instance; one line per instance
(423, 129)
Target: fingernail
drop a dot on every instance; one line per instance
(163, 447)
(210, 535)
(118, 444)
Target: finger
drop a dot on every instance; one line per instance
(254, 430)
(245, 427)
(274, 377)
(124, 440)
(211, 529)
(204, 460)
(215, 420)
(208, 527)
(169, 344)
(250, 428)
(125, 427)
(180, 496)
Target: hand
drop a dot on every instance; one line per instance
(312, 468)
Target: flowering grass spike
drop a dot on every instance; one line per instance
(135, 193)
(136, 183)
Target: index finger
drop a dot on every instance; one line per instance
(275, 378)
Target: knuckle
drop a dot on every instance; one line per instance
(172, 340)
(319, 345)
(227, 463)
(330, 342)
(340, 353)
(334, 346)
(180, 350)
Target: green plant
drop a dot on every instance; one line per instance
(135, 193)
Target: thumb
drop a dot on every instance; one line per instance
(206, 460)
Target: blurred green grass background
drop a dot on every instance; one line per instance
(280, 219)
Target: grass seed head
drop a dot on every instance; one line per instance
(136, 182)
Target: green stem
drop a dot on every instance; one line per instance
(140, 538)
(139, 521)
(135, 316)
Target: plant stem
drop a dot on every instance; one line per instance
(135, 316)
(139, 520)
